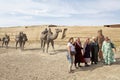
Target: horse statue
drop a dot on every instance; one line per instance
(5, 40)
(21, 39)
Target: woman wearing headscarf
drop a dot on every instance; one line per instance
(78, 56)
(86, 51)
(94, 51)
(107, 49)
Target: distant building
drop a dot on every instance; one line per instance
(113, 26)
(52, 25)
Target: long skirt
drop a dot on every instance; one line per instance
(87, 60)
(109, 57)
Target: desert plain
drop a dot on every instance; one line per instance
(32, 64)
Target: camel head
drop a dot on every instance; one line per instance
(65, 29)
(58, 30)
(100, 32)
(64, 33)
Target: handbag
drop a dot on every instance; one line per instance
(72, 52)
(112, 45)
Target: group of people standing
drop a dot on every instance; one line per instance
(90, 52)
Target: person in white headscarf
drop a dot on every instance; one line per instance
(107, 49)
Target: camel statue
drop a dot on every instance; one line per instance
(5, 40)
(21, 39)
(43, 36)
(64, 33)
(100, 39)
(50, 38)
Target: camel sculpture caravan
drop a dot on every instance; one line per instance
(21, 39)
(48, 37)
(5, 40)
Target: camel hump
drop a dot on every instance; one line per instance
(3, 38)
(25, 37)
(50, 33)
(6, 39)
(17, 37)
(44, 32)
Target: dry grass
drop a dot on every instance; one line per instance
(33, 33)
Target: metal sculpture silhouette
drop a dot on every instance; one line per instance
(49, 37)
(21, 39)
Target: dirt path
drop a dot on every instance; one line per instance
(33, 64)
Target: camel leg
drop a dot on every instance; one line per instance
(2, 43)
(41, 43)
(6, 44)
(44, 42)
(16, 44)
(20, 43)
(52, 43)
(23, 44)
(47, 46)
(100, 55)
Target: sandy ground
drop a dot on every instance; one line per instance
(33, 64)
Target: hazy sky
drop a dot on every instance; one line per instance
(62, 12)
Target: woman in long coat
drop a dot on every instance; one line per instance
(78, 56)
(87, 50)
(94, 51)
